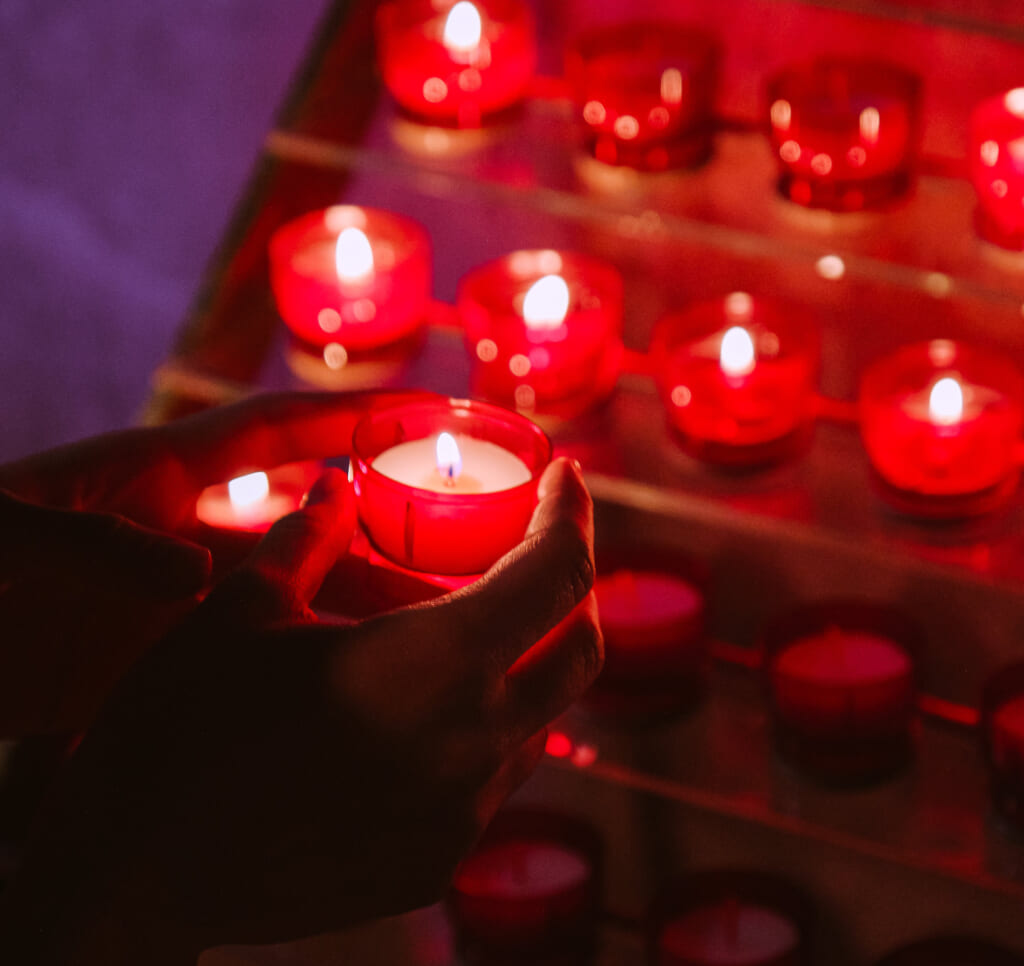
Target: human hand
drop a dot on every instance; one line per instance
(259, 776)
(83, 591)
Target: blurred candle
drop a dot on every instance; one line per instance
(447, 486)
(941, 423)
(350, 279)
(842, 688)
(738, 378)
(544, 330)
(997, 167)
(845, 131)
(254, 501)
(456, 63)
(645, 92)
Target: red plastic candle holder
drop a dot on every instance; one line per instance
(455, 63)
(646, 93)
(841, 680)
(1002, 710)
(652, 611)
(544, 330)
(350, 281)
(952, 951)
(723, 917)
(738, 377)
(997, 168)
(844, 131)
(529, 893)
(941, 423)
(413, 517)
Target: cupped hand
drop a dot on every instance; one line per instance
(260, 776)
(93, 569)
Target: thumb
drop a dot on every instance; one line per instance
(291, 561)
(103, 545)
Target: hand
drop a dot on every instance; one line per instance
(259, 776)
(83, 591)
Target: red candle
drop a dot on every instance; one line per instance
(349, 280)
(997, 167)
(941, 423)
(845, 131)
(529, 892)
(1003, 731)
(455, 63)
(729, 918)
(447, 487)
(653, 625)
(544, 330)
(646, 93)
(737, 376)
(253, 501)
(842, 688)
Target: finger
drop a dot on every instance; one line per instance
(285, 571)
(538, 583)
(104, 546)
(553, 674)
(513, 773)
(269, 430)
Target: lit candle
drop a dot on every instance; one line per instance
(941, 422)
(447, 486)
(845, 131)
(349, 280)
(529, 890)
(254, 501)
(655, 649)
(544, 330)
(456, 63)
(842, 686)
(646, 93)
(737, 376)
(724, 917)
(1002, 708)
(997, 167)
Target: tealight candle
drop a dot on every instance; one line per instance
(544, 330)
(349, 280)
(842, 687)
(646, 92)
(253, 501)
(738, 378)
(1002, 710)
(845, 131)
(997, 167)
(529, 892)
(456, 62)
(729, 918)
(941, 422)
(447, 486)
(653, 625)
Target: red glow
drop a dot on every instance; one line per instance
(558, 745)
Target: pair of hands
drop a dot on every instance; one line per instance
(258, 776)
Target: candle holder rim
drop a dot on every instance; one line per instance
(478, 274)
(611, 557)
(880, 71)
(449, 405)
(412, 12)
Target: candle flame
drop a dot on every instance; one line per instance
(946, 402)
(736, 356)
(546, 303)
(449, 459)
(353, 257)
(462, 28)
(246, 491)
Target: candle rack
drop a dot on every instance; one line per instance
(706, 788)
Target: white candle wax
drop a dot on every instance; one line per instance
(486, 467)
(729, 934)
(522, 870)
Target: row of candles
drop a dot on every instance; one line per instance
(445, 487)
(531, 892)
(941, 420)
(845, 131)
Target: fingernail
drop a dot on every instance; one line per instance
(327, 487)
